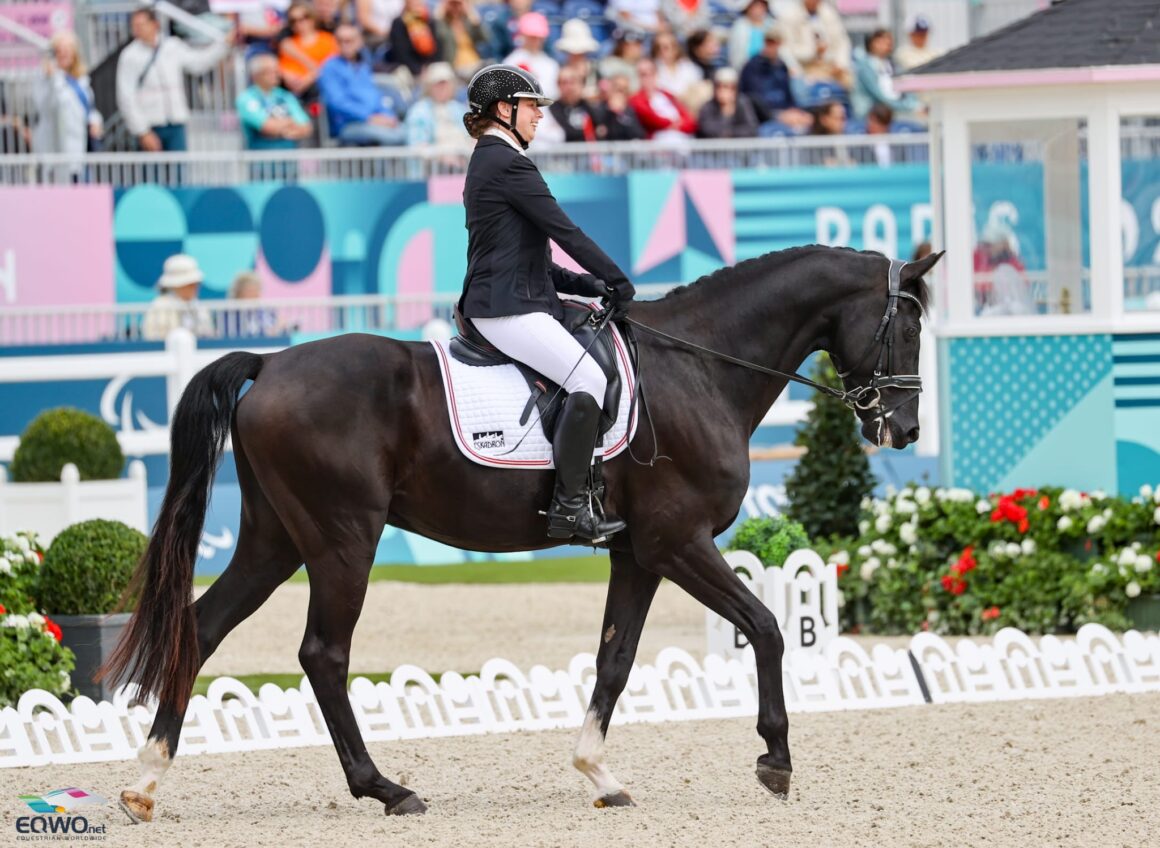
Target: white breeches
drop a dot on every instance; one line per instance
(540, 341)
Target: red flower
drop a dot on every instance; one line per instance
(989, 614)
(966, 560)
(843, 567)
(1023, 525)
(953, 584)
(1008, 510)
(1044, 503)
(53, 628)
(3, 611)
(1020, 494)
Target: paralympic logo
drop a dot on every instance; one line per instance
(54, 817)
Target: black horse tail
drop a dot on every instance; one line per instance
(159, 650)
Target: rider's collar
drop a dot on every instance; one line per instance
(498, 133)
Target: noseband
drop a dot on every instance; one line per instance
(868, 398)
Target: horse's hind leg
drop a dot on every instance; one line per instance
(263, 559)
(630, 593)
(338, 583)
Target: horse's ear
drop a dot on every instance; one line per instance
(914, 270)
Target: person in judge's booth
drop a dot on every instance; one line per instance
(510, 289)
(177, 304)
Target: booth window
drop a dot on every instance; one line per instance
(1140, 172)
(1029, 192)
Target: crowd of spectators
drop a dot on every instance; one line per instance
(394, 72)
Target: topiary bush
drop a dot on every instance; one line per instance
(59, 436)
(771, 539)
(88, 567)
(827, 485)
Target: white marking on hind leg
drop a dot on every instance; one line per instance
(588, 758)
(154, 759)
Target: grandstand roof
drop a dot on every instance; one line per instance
(1068, 34)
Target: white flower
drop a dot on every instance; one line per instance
(892, 563)
(1099, 568)
(868, 568)
(1028, 546)
(1013, 550)
(890, 491)
(20, 622)
(1108, 513)
(864, 551)
(1143, 564)
(1156, 515)
(1127, 557)
(1096, 523)
(1146, 492)
(5, 566)
(955, 495)
(882, 547)
(866, 503)
(998, 550)
(31, 558)
(840, 558)
(905, 507)
(863, 527)
(906, 493)
(1070, 499)
(841, 599)
(932, 616)
(922, 495)
(23, 544)
(1064, 523)
(1156, 495)
(983, 507)
(36, 619)
(1099, 495)
(1132, 590)
(908, 534)
(65, 680)
(882, 523)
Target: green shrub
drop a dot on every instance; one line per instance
(771, 539)
(20, 558)
(827, 485)
(59, 436)
(88, 566)
(1044, 561)
(31, 656)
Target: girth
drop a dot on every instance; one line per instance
(471, 348)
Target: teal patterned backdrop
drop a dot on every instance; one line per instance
(1079, 411)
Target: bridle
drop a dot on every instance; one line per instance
(867, 398)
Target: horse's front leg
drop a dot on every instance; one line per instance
(698, 567)
(630, 593)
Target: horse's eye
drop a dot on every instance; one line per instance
(910, 333)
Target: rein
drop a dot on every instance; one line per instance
(855, 398)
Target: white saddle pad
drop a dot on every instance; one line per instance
(485, 403)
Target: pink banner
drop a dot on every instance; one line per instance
(44, 19)
(56, 246)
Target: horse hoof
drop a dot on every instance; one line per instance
(412, 805)
(138, 807)
(616, 799)
(775, 781)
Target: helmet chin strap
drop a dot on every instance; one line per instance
(512, 126)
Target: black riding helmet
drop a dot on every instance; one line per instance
(509, 84)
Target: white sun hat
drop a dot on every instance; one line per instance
(576, 38)
(180, 270)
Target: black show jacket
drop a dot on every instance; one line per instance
(511, 214)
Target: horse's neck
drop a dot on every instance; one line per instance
(770, 319)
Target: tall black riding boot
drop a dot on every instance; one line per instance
(571, 514)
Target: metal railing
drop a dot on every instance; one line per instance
(218, 168)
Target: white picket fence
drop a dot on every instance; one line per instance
(48, 508)
(41, 730)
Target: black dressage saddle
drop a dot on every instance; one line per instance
(471, 348)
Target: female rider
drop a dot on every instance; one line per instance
(509, 293)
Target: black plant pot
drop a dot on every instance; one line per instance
(92, 638)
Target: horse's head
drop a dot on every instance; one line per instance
(875, 348)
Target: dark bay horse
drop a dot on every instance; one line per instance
(337, 438)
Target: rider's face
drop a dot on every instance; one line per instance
(527, 118)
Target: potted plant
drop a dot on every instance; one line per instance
(81, 583)
(31, 653)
